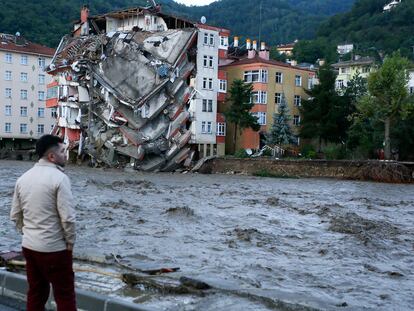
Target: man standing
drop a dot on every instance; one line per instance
(42, 210)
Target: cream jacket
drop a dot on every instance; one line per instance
(42, 208)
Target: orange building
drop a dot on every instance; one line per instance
(272, 81)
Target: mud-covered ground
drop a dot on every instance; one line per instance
(261, 243)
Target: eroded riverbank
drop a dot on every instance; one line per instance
(268, 243)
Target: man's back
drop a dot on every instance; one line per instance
(43, 197)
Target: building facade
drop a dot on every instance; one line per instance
(208, 125)
(273, 82)
(349, 69)
(23, 114)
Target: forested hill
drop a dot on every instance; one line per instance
(45, 21)
(367, 26)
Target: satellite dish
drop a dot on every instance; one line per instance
(203, 19)
(17, 34)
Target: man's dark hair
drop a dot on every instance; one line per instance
(45, 143)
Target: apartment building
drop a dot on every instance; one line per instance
(169, 117)
(349, 69)
(273, 81)
(208, 125)
(23, 117)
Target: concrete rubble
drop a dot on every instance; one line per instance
(124, 96)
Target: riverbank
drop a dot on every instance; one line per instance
(370, 170)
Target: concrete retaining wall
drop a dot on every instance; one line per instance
(15, 286)
(360, 170)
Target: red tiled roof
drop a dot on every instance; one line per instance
(258, 60)
(28, 48)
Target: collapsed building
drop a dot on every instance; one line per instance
(141, 87)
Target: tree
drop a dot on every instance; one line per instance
(280, 132)
(388, 100)
(325, 113)
(240, 106)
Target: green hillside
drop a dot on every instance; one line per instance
(282, 20)
(367, 26)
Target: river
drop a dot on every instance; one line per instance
(261, 243)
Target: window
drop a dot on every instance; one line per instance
(7, 127)
(411, 89)
(210, 61)
(8, 110)
(40, 129)
(211, 39)
(8, 93)
(8, 75)
(41, 112)
(259, 97)
(52, 92)
(41, 62)
(339, 84)
(221, 129)
(205, 39)
(255, 76)
(223, 86)
(41, 79)
(207, 83)
(23, 128)
(23, 94)
(23, 60)
(251, 76)
(263, 76)
(365, 69)
(53, 112)
(224, 41)
(278, 98)
(344, 70)
(23, 111)
(298, 80)
(8, 58)
(298, 100)
(310, 83)
(23, 77)
(261, 117)
(296, 120)
(206, 127)
(207, 105)
(279, 77)
(41, 95)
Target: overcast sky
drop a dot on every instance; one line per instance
(194, 2)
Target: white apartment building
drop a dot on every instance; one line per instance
(23, 113)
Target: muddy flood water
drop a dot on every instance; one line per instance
(260, 243)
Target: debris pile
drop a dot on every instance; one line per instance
(124, 96)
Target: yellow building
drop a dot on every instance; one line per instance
(272, 80)
(349, 69)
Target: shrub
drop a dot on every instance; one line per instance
(241, 153)
(335, 152)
